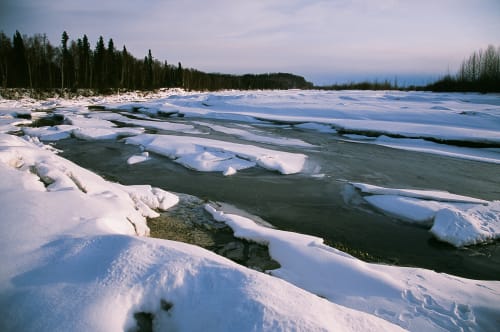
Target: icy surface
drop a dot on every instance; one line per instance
(58, 219)
(71, 262)
(139, 158)
(415, 299)
(490, 155)
(456, 219)
(212, 155)
(251, 136)
(82, 127)
(415, 121)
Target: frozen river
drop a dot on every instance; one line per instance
(317, 201)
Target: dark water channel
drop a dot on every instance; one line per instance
(316, 205)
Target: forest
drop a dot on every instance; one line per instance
(33, 62)
(480, 73)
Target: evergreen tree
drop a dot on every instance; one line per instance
(64, 56)
(5, 59)
(99, 71)
(34, 62)
(148, 71)
(19, 64)
(86, 62)
(124, 83)
(111, 65)
(180, 76)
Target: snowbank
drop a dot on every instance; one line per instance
(415, 299)
(209, 155)
(130, 204)
(458, 220)
(70, 262)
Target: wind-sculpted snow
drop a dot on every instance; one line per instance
(415, 299)
(71, 262)
(130, 205)
(209, 155)
(456, 219)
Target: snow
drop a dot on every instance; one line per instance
(413, 298)
(403, 120)
(456, 219)
(74, 248)
(489, 155)
(96, 129)
(52, 133)
(71, 262)
(470, 117)
(155, 124)
(327, 129)
(229, 171)
(131, 204)
(82, 127)
(10, 124)
(423, 194)
(135, 159)
(209, 155)
(250, 136)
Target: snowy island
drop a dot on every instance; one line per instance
(75, 247)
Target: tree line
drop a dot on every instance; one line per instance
(365, 85)
(33, 62)
(480, 72)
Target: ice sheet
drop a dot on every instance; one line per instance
(212, 155)
(456, 219)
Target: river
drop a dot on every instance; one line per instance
(316, 201)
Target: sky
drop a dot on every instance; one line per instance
(326, 41)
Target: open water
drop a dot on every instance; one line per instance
(320, 205)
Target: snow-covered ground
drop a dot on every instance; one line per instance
(71, 261)
(415, 299)
(74, 248)
(411, 119)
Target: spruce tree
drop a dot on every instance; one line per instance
(19, 64)
(64, 56)
(99, 54)
(5, 59)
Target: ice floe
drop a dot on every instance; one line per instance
(252, 136)
(212, 155)
(456, 219)
(139, 158)
(490, 155)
